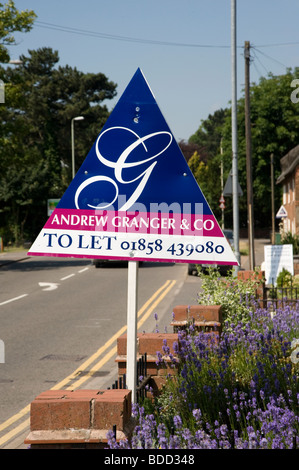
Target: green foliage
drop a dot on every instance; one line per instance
(208, 136)
(12, 20)
(286, 282)
(274, 129)
(206, 163)
(289, 239)
(236, 297)
(284, 278)
(232, 385)
(35, 136)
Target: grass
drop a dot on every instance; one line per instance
(244, 250)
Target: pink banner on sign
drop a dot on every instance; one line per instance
(138, 222)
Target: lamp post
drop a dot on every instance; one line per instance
(16, 62)
(2, 84)
(77, 118)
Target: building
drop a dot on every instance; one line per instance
(289, 178)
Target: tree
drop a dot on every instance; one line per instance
(209, 134)
(206, 163)
(274, 129)
(189, 148)
(35, 140)
(12, 20)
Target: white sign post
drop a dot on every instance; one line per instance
(132, 308)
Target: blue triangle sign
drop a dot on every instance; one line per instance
(135, 197)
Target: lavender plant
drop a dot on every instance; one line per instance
(240, 392)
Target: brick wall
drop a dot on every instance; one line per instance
(82, 418)
(79, 418)
(259, 277)
(206, 318)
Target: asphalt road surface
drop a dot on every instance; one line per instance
(59, 322)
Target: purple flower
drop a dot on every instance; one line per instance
(197, 414)
(177, 422)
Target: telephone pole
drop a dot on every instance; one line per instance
(234, 134)
(250, 221)
(272, 199)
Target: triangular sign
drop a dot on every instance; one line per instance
(228, 187)
(134, 197)
(281, 213)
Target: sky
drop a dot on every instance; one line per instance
(182, 47)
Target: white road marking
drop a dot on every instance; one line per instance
(82, 270)
(48, 285)
(67, 277)
(12, 300)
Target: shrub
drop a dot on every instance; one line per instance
(241, 392)
(237, 297)
(284, 278)
(289, 239)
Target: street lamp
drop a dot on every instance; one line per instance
(77, 118)
(16, 62)
(2, 84)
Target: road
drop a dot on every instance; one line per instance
(59, 321)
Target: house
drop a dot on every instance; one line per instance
(289, 178)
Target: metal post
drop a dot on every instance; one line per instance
(73, 148)
(221, 177)
(234, 134)
(77, 118)
(272, 199)
(249, 157)
(132, 327)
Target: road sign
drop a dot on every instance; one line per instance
(52, 203)
(134, 197)
(281, 213)
(228, 188)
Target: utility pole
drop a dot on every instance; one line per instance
(250, 221)
(234, 134)
(221, 178)
(272, 199)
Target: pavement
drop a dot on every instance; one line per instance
(259, 244)
(7, 257)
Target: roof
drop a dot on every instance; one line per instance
(288, 163)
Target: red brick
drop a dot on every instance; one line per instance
(181, 312)
(50, 414)
(198, 313)
(249, 274)
(151, 343)
(112, 408)
(80, 409)
(148, 343)
(206, 313)
(53, 394)
(122, 345)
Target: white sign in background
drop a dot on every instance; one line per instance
(277, 257)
